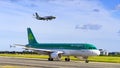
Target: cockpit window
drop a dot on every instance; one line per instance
(92, 48)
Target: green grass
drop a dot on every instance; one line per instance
(105, 59)
(25, 55)
(93, 59)
(12, 66)
(8, 66)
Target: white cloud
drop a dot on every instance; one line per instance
(89, 27)
(117, 7)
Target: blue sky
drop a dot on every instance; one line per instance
(77, 21)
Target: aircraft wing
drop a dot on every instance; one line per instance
(35, 49)
(46, 51)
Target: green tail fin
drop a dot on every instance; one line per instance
(31, 38)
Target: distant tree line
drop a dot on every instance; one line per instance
(17, 52)
(114, 54)
(31, 52)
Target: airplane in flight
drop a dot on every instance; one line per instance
(43, 18)
(56, 50)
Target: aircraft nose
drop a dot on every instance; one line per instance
(96, 52)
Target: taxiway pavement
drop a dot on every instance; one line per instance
(43, 63)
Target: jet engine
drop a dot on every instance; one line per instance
(56, 55)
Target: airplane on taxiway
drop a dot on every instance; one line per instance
(56, 50)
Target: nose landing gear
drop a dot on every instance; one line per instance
(86, 59)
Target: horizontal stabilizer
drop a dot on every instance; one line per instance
(19, 45)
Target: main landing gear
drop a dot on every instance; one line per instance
(67, 59)
(50, 59)
(86, 61)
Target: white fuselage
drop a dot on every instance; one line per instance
(82, 52)
(76, 52)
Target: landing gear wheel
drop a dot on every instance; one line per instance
(86, 61)
(67, 59)
(50, 59)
